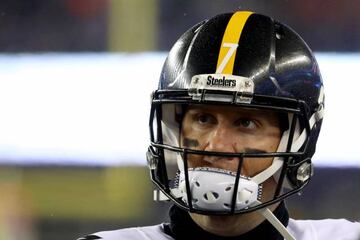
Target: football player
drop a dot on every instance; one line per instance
(233, 127)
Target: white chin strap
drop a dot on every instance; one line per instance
(269, 215)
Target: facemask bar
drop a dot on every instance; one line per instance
(158, 163)
(173, 193)
(237, 179)
(286, 159)
(158, 151)
(187, 182)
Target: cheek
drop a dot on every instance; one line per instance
(193, 139)
(268, 141)
(197, 161)
(187, 135)
(253, 166)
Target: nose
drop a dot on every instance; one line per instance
(221, 139)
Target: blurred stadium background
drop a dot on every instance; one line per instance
(71, 145)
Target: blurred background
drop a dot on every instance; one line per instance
(75, 81)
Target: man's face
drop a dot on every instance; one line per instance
(230, 129)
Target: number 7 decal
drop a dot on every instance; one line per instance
(230, 55)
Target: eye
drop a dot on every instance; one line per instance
(246, 123)
(203, 118)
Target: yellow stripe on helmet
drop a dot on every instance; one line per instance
(229, 44)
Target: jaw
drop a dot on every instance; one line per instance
(228, 225)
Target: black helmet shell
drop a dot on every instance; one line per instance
(270, 53)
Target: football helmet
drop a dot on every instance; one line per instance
(245, 60)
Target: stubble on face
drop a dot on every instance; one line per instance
(228, 226)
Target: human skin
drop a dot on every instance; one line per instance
(231, 129)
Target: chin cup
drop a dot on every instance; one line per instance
(212, 189)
